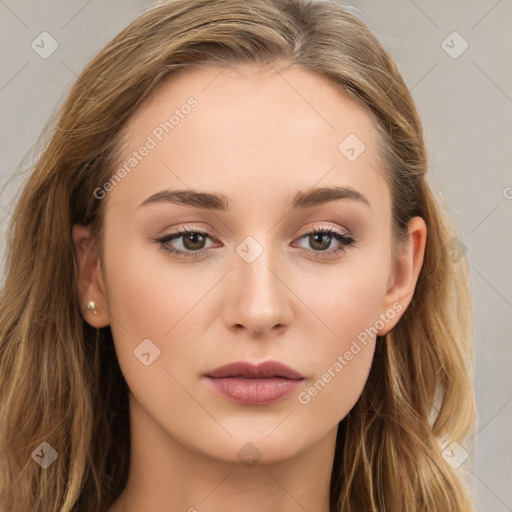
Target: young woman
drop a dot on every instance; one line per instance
(228, 285)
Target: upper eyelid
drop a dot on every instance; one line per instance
(182, 231)
(210, 231)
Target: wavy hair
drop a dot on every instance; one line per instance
(60, 381)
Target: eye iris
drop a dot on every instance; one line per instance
(325, 240)
(195, 238)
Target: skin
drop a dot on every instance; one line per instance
(257, 136)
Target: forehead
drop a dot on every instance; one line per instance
(251, 130)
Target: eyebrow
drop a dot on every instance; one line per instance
(219, 201)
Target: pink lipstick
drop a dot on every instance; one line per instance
(254, 383)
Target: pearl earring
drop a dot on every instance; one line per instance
(92, 307)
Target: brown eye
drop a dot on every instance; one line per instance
(193, 243)
(321, 239)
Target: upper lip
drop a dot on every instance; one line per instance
(263, 370)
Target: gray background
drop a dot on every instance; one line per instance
(466, 104)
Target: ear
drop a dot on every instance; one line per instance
(91, 286)
(404, 274)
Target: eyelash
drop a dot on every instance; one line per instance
(346, 240)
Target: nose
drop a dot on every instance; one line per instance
(258, 298)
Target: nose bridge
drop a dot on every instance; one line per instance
(259, 298)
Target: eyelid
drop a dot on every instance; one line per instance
(344, 238)
(324, 226)
(307, 230)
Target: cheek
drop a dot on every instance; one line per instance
(151, 327)
(341, 363)
(355, 310)
(349, 304)
(144, 296)
(143, 304)
(343, 355)
(333, 392)
(152, 300)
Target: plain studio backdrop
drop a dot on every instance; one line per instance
(455, 58)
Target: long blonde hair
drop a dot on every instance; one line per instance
(60, 381)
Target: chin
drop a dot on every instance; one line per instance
(260, 449)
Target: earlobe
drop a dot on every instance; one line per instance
(405, 274)
(89, 277)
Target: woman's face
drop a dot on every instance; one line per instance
(254, 285)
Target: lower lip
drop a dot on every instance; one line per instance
(254, 391)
